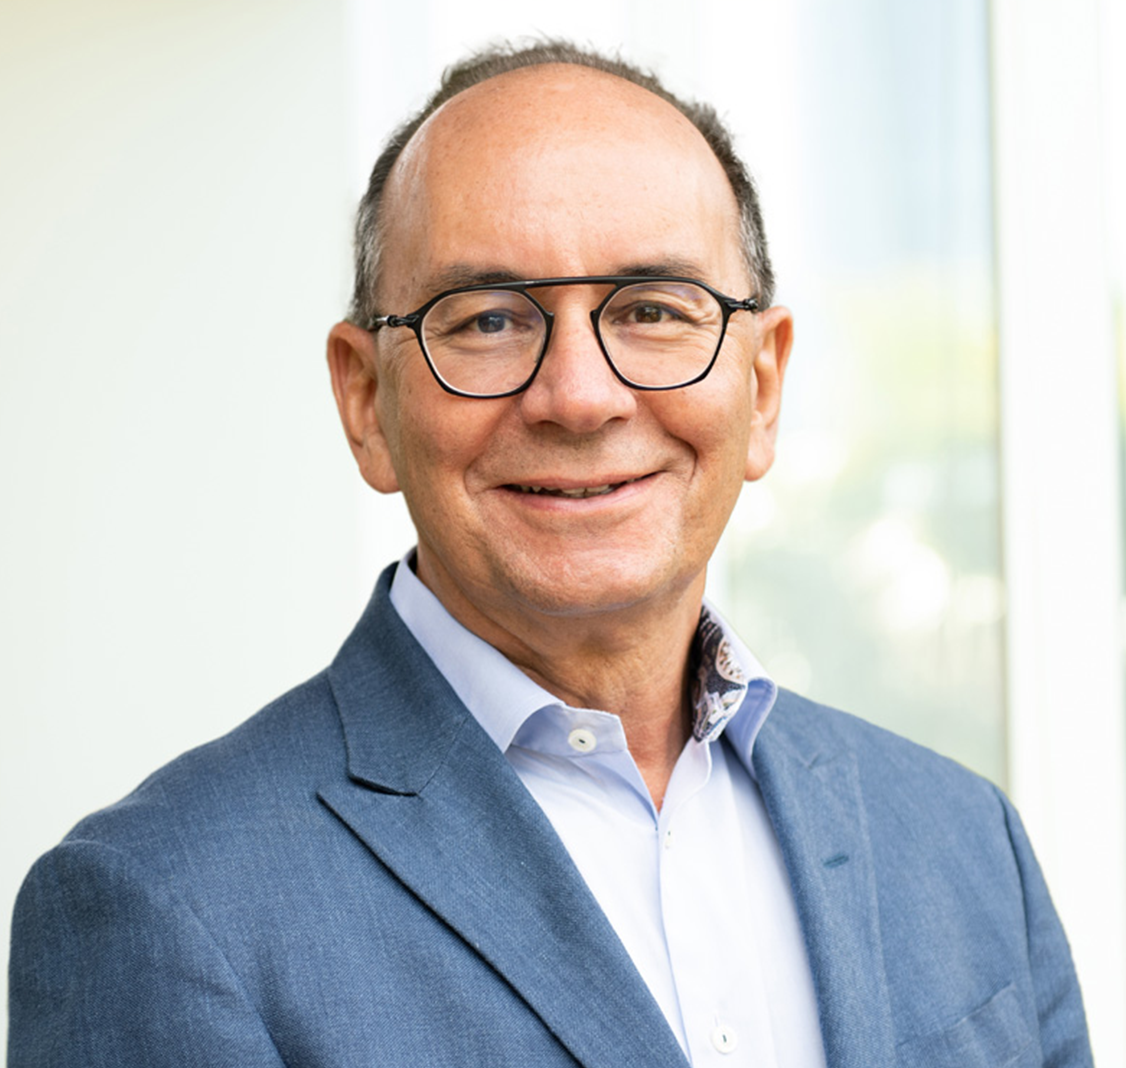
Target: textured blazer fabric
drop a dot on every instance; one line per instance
(356, 877)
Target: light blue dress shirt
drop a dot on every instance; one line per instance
(696, 891)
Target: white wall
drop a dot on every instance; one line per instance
(179, 507)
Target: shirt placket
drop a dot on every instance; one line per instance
(720, 990)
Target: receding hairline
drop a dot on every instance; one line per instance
(558, 70)
(561, 73)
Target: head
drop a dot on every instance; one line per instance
(490, 63)
(580, 495)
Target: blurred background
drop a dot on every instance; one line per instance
(938, 549)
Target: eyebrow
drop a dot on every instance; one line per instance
(458, 275)
(678, 267)
(463, 275)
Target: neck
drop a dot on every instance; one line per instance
(633, 662)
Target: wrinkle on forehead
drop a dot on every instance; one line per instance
(537, 109)
(559, 160)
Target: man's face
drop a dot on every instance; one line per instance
(550, 172)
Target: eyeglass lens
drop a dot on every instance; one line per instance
(656, 334)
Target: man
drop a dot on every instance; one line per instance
(544, 808)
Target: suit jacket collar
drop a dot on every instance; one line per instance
(400, 717)
(811, 787)
(434, 798)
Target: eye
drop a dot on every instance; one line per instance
(487, 322)
(478, 314)
(492, 322)
(659, 309)
(648, 314)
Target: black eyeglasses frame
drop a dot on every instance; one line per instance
(413, 320)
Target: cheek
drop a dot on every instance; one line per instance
(438, 439)
(733, 409)
(716, 418)
(410, 439)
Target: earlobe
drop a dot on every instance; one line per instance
(775, 338)
(355, 384)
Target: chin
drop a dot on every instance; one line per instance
(574, 587)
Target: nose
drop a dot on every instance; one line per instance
(575, 386)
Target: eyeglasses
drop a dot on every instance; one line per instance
(656, 333)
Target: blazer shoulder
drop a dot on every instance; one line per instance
(257, 771)
(890, 765)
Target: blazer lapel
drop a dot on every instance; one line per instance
(432, 796)
(811, 790)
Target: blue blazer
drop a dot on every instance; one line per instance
(356, 877)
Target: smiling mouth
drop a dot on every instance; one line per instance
(578, 492)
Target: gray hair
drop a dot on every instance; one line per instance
(502, 58)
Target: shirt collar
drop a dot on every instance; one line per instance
(731, 691)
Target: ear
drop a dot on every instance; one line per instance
(775, 336)
(353, 366)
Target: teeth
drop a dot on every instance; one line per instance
(586, 491)
(576, 494)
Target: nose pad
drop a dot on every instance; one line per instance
(575, 385)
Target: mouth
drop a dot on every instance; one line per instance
(573, 492)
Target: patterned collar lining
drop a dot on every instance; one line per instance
(724, 676)
(719, 682)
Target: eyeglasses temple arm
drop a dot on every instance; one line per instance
(750, 304)
(379, 321)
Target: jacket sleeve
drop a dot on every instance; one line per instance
(109, 969)
(1059, 1004)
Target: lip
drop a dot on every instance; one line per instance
(586, 491)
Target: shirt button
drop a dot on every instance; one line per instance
(582, 740)
(724, 1039)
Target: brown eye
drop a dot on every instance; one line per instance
(648, 313)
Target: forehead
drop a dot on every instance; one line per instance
(556, 170)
